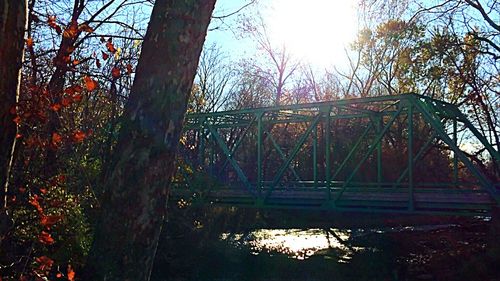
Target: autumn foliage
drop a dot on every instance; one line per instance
(72, 92)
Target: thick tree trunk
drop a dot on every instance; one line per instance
(134, 202)
(13, 19)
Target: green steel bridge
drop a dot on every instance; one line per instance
(399, 154)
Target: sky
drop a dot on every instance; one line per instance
(314, 31)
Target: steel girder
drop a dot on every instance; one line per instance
(330, 156)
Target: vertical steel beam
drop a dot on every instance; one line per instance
(201, 147)
(326, 115)
(411, 206)
(315, 156)
(379, 151)
(211, 159)
(259, 150)
(455, 158)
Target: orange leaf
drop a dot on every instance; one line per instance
(56, 138)
(90, 84)
(55, 107)
(71, 273)
(129, 69)
(110, 46)
(104, 56)
(79, 136)
(76, 62)
(59, 275)
(46, 238)
(29, 42)
(115, 72)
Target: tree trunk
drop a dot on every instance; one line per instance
(13, 19)
(135, 198)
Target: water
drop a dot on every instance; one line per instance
(296, 243)
(441, 251)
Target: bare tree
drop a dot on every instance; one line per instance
(279, 66)
(213, 81)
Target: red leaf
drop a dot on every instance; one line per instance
(90, 84)
(56, 139)
(115, 72)
(61, 178)
(77, 97)
(98, 63)
(73, 89)
(129, 69)
(17, 120)
(110, 46)
(44, 262)
(66, 101)
(49, 221)
(34, 201)
(104, 56)
(79, 136)
(46, 238)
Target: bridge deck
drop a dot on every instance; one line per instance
(433, 200)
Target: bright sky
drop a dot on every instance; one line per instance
(315, 31)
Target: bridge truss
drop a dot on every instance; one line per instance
(405, 153)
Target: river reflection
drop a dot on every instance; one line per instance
(296, 243)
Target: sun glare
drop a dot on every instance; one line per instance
(316, 31)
